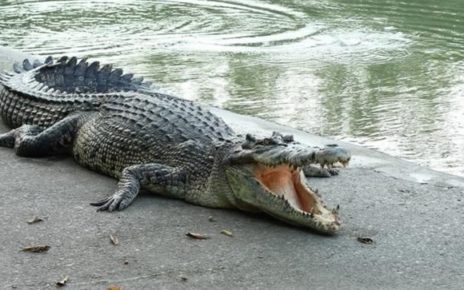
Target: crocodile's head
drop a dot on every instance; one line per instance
(266, 175)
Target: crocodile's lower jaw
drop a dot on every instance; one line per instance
(286, 182)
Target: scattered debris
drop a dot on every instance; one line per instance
(227, 233)
(367, 241)
(196, 236)
(114, 240)
(34, 220)
(211, 219)
(36, 249)
(62, 282)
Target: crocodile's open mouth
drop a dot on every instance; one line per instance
(270, 179)
(294, 202)
(285, 181)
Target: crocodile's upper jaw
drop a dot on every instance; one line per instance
(281, 191)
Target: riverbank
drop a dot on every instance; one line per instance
(412, 214)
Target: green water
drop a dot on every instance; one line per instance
(385, 74)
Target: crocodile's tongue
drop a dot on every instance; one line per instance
(285, 181)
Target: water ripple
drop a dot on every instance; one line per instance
(218, 26)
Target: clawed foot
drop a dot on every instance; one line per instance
(14, 137)
(311, 171)
(7, 139)
(331, 171)
(117, 201)
(332, 154)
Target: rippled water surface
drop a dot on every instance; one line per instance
(387, 74)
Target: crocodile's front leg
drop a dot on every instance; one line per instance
(331, 154)
(312, 171)
(153, 176)
(323, 157)
(33, 141)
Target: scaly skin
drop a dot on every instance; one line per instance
(120, 126)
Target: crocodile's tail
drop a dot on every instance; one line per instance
(26, 65)
(41, 93)
(71, 75)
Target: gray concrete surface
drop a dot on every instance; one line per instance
(413, 214)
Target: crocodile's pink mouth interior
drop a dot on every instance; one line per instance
(285, 181)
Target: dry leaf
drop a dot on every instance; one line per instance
(34, 220)
(62, 282)
(36, 249)
(113, 288)
(114, 240)
(227, 233)
(365, 240)
(197, 236)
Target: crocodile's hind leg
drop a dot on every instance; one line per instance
(33, 141)
(9, 139)
(153, 176)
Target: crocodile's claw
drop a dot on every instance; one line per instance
(332, 171)
(117, 201)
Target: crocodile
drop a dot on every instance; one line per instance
(123, 127)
